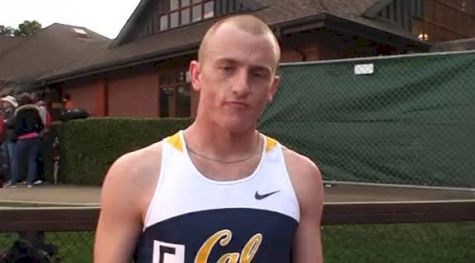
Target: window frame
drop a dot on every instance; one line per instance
(185, 9)
(169, 83)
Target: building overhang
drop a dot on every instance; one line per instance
(321, 20)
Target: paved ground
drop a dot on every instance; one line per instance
(81, 195)
(386, 193)
(50, 194)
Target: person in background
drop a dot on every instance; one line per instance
(9, 104)
(28, 125)
(3, 155)
(68, 102)
(46, 119)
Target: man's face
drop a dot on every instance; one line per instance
(235, 77)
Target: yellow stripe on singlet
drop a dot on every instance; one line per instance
(175, 141)
(270, 144)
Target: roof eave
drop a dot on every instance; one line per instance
(128, 25)
(382, 35)
(120, 64)
(297, 25)
(287, 27)
(377, 7)
(347, 25)
(301, 24)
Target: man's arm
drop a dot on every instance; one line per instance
(307, 182)
(125, 197)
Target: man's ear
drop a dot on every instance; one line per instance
(195, 75)
(273, 88)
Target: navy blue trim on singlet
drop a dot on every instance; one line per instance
(270, 233)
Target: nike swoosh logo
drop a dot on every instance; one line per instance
(260, 197)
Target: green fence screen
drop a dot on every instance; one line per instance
(410, 121)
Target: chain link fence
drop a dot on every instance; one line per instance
(421, 243)
(431, 243)
(71, 247)
(401, 120)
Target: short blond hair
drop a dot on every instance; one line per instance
(248, 23)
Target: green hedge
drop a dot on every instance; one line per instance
(90, 146)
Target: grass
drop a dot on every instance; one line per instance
(431, 243)
(407, 243)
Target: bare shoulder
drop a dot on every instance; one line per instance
(134, 163)
(133, 176)
(126, 193)
(301, 168)
(306, 180)
(136, 166)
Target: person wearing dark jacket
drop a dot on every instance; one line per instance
(28, 125)
(9, 138)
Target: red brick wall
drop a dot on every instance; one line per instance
(134, 95)
(83, 94)
(101, 99)
(289, 55)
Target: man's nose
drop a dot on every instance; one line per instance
(241, 85)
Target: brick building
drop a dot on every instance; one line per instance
(24, 60)
(143, 72)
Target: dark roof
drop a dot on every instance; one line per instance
(280, 14)
(455, 45)
(53, 47)
(129, 24)
(9, 43)
(128, 28)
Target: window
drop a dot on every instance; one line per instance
(163, 22)
(209, 10)
(174, 4)
(196, 13)
(183, 101)
(175, 95)
(174, 19)
(80, 32)
(183, 12)
(185, 16)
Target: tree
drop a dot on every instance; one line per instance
(24, 29)
(27, 28)
(6, 31)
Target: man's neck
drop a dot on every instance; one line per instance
(219, 143)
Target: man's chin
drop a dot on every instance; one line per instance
(236, 125)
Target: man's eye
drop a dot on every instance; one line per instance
(258, 74)
(226, 68)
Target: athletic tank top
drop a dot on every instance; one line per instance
(195, 219)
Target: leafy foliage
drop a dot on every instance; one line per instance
(6, 30)
(27, 28)
(88, 147)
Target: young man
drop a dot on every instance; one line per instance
(218, 191)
